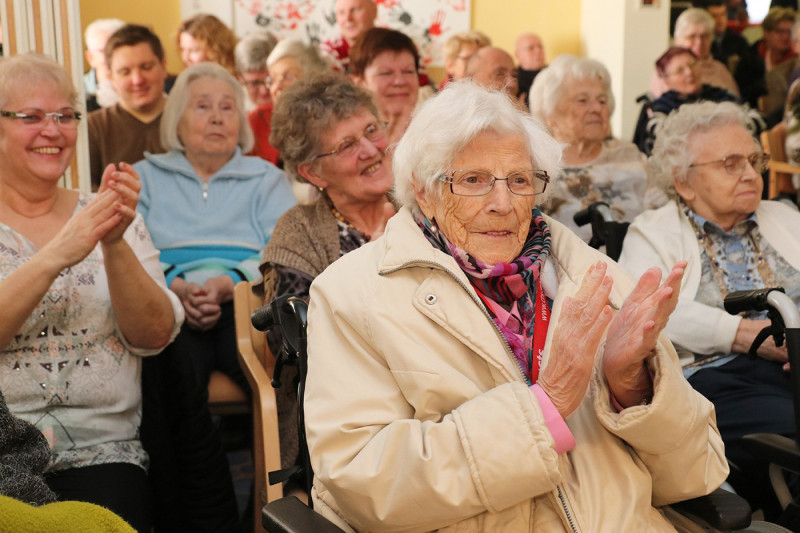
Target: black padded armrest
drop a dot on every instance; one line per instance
(776, 449)
(720, 509)
(290, 515)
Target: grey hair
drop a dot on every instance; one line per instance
(106, 26)
(252, 50)
(449, 121)
(690, 17)
(31, 70)
(308, 110)
(674, 148)
(306, 55)
(548, 86)
(179, 97)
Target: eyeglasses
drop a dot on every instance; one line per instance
(735, 164)
(479, 182)
(279, 80)
(256, 84)
(67, 118)
(683, 69)
(373, 133)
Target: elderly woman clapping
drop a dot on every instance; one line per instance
(82, 297)
(710, 164)
(209, 208)
(573, 98)
(454, 362)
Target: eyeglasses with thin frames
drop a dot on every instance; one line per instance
(735, 164)
(37, 118)
(480, 182)
(373, 133)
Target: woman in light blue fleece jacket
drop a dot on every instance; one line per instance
(210, 209)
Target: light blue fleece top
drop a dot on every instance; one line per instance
(206, 229)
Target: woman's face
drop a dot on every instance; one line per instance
(582, 113)
(393, 80)
(209, 125)
(42, 151)
(192, 50)
(282, 74)
(493, 227)
(697, 38)
(710, 190)
(363, 176)
(683, 74)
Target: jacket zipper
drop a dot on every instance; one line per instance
(205, 191)
(561, 499)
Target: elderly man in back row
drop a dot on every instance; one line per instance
(353, 17)
(494, 68)
(529, 52)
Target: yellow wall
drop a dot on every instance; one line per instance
(558, 23)
(163, 16)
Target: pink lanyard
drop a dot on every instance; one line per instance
(540, 324)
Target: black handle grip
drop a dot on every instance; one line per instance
(754, 300)
(263, 318)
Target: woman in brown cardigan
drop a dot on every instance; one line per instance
(329, 134)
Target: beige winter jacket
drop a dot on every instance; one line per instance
(418, 418)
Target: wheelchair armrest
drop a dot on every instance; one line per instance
(290, 515)
(720, 510)
(777, 449)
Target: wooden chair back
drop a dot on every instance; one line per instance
(780, 172)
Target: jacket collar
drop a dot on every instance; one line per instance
(175, 161)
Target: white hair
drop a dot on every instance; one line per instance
(306, 55)
(252, 50)
(179, 97)
(673, 150)
(548, 86)
(691, 17)
(100, 27)
(447, 122)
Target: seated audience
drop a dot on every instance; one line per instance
(210, 209)
(679, 69)
(291, 60)
(732, 50)
(96, 84)
(138, 71)
(776, 45)
(457, 50)
(573, 98)
(694, 29)
(353, 17)
(251, 54)
(330, 135)
(493, 68)
(82, 295)
(204, 37)
(529, 52)
(781, 77)
(708, 162)
(385, 62)
(467, 372)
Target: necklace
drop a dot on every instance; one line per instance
(703, 240)
(341, 218)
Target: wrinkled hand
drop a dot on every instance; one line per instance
(84, 230)
(746, 334)
(581, 325)
(202, 310)
(125, 183)
(634, 331)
